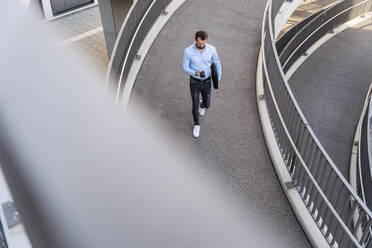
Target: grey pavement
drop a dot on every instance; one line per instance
(92, 46)
(77, 23)
(231, 147)
(331, 87)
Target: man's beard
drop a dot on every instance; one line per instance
(200, 47)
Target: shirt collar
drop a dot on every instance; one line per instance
(197, 49)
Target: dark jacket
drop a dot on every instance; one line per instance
(214, 76)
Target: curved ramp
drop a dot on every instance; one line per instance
(331, 87)
(231, 145)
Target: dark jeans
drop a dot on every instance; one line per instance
(197, 87)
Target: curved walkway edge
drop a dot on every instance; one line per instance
(303, 216)
(145, 47)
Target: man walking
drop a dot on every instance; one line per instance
(197, 61)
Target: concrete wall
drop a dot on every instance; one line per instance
(113, 13)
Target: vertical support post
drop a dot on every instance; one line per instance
(113, 13)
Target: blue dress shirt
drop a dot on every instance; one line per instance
(194, 60)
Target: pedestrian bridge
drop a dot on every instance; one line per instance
(316, 100)
(277, 139)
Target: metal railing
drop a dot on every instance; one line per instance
(288, 36)
(325, 192)
(363, 173)
(326, 21)
(139, 21)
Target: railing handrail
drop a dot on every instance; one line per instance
(293, 29)
(299, 24)
(129, 48)
(125, 47)
(348, 190)
(114, 58)
(109, 69)
(313, 134)
(309, 20)
(361, 148)
(312, 21)
(369, 138)
(302, 162)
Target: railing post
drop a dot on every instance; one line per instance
(164, 12)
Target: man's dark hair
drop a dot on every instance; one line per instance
(202, 35)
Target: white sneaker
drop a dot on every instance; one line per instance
(196, 131)
(201, 111)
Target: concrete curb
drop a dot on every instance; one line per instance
(144, 49)
(305, 219)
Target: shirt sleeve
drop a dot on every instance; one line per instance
(186, 64)
(217, 62)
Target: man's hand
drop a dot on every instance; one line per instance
(197, 73)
